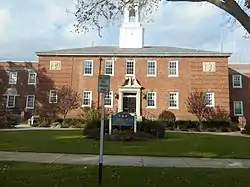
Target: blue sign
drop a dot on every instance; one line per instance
(123, 119)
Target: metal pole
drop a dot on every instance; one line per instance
(101, 141)
(99, 73)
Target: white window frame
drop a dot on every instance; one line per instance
(213, 100)
(233, 81)
(11, 78)
(155, 68)
(33, 102)
(177, 100)
(31, 83)
(133, 67)
(14, 101)
(177, 68)
(92, 65)
(112, 62)
(154, 98)
(50, 96)
(90, 98)
(242, 112)
(111, 99)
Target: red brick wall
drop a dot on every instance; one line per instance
(191, 76)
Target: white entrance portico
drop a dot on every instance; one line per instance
(130, 97)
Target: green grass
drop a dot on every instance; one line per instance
(176, 144)
(50, 175)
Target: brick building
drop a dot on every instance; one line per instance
(144, 79)
(18, 86)
(239, 89)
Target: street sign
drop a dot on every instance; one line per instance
(103, 83)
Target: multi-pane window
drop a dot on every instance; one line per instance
(173, 68)
(86, 98)
(53, 96)
(173, 100)
(238, 108)
(10, 101)
(130, 67)
(30, 101)
(151, 100)
(32, 78)
(209, 99)
(109, 99)
(109, 67)
(237, 81)
(88, 67)
(151, 68)
(12, 77)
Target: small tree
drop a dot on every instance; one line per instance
(68, 100)
(196, 104)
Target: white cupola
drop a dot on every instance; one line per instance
(131, 31)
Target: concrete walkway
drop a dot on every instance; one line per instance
(124, 160)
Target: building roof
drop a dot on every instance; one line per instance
(159, 51)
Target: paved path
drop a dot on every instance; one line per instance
(124, 160)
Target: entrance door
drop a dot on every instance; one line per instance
(129, 102)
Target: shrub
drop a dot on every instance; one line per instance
(234, 127)
(128, 135)
(155, 128)
(215, 124)
(166, 116)
(45, 123)
(187, 124)
(94, 127)
(65, 125)
(89, 114)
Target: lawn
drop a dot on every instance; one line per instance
(51, 175)
(176, 144)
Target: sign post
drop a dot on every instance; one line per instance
(103, 87)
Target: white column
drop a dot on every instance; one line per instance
(120, 101)
(138, 103)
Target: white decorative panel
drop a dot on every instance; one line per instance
(55, 65)
(209, 66)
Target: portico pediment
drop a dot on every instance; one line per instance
(131, 82)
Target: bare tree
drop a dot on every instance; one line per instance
(68, 100)
(197, 104)
(90, 13)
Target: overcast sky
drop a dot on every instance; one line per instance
(35, 25)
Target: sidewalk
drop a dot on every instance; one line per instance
(59, 158)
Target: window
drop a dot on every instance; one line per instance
(238, 108)
(11, 101)
(130, 67)
(32, 78)
(151, 100)
(12, 77)
(237, 81)
(53, 96)
(210, 99)
(88, 67)
(151, 68)
(132, 15)
(109, 67)
(173, 100)
(109, 99)
(30, 101)
(55, 65)
(173, 68)
(87, 99)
